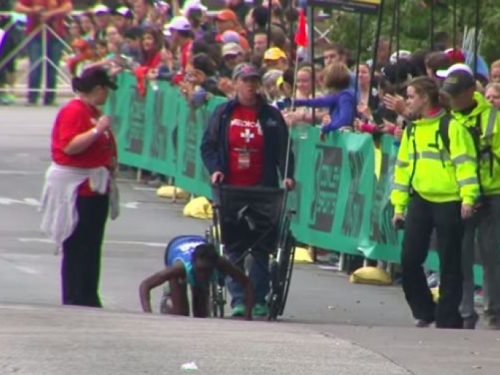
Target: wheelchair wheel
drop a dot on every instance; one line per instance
(280, 270)
(288, 270)
(217, 300)
(273, 305)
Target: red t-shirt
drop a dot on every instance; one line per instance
(75, 118)
(246, 147)
(185, 51)
(56, 23)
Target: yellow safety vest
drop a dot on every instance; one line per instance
(425, 166)
(485, 122)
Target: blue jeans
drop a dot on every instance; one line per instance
(35, 54)
(259, 276)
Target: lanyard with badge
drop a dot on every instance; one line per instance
(244, 153)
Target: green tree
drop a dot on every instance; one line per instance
(415, 24)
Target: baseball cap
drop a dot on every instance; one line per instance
(231, 49)
(229, 36)
(403, 55)
(454, 68)
(123, 11)
(92, 77)
(274, 53)
(178, 23)
(245, 70)
(193, 5)
(458, 79)
(100, 9)
(227, 15)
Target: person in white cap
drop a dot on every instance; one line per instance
(233, 55)
(470, 109)
(102, 15)
(181, 38)
(195, 12)
(122, 18)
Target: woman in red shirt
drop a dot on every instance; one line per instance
(79, 187)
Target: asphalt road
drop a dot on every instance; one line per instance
(329, 323)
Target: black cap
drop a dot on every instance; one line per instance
(92, 77)
(398, 72)
(458, 82)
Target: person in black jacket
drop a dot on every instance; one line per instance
(246, 144)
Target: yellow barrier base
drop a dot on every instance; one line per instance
(171, 192)
(302, 255)
(370, 276)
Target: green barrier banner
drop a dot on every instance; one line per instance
(336, 197)
(341, 204)
(383, 241)
(191, 174)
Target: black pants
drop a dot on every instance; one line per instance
(424, 216)
(81, 262)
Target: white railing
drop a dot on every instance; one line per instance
(45, 32)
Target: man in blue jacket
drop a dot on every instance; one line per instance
(246, 144)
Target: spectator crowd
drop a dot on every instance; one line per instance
(199, 50)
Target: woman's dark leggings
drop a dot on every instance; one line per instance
(81, 262)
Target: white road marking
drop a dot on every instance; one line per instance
(132, 205)
(32, 202)
(20, 173)
(36, 203)
(141, 188)
(110, 242)
(27, 270)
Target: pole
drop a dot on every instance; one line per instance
(45, 54)
(454, 25)
(291, 31)
(398, 22)
(433, 20)
(377, 41)
(310, 23)
(476, 34)
(358, 58)
(269, 21)
(393, 24)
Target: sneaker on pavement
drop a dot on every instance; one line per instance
(260, 309)
(239, 310)
(492, 322)
(421, 323)
(470, 323)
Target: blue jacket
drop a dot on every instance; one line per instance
(341, 106)
(215, 144)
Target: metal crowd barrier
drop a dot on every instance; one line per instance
(64, 79)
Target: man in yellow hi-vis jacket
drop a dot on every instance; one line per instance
(435, 187)
(470, 109)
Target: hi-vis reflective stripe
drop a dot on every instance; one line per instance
(402, 164)
(491, 123)
(468, 181)
(400, 187)
(430, 155)
(462, 159)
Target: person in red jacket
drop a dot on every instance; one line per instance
(79, 189)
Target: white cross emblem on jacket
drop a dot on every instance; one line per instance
(247, 135)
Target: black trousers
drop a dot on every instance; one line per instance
(81, 264)
(424, 216)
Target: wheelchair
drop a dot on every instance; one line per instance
(262, 215)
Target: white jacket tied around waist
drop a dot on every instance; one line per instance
(58, 203)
